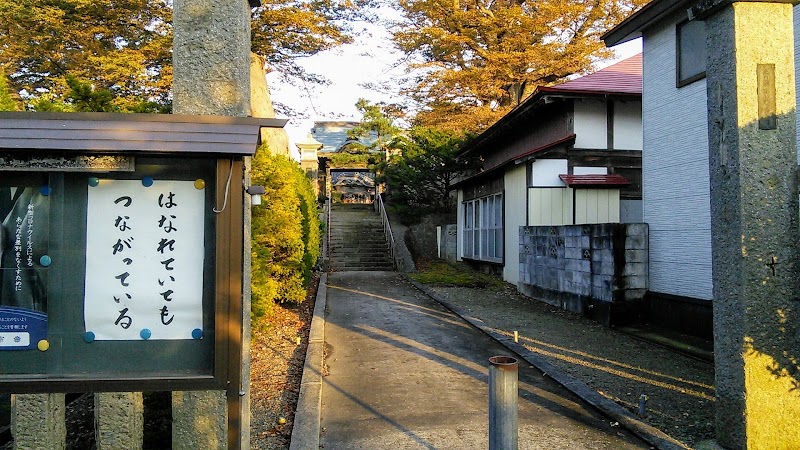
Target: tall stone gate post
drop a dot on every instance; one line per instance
(211, 63)
(754, 217)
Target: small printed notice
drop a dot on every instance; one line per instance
(24, 224)
(144, 260)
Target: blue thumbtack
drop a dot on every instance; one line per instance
(45, 190)
(145, 334)
(197, 333)
(45, 261)
(88, 337)
(147, 181)
(94, 181)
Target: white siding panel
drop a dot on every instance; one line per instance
(675, 172)
(628, 125)
(516, 202)
(797, 70)
(591, 124)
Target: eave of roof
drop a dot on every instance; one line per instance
(520, 157)
(621, 78)
(617, 80)
(113, 133)
(595, 180)
(631, 28)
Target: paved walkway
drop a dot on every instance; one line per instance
(403, 372)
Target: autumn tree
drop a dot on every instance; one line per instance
(123, 47)
(7, 102)
(481, 57)
(285, 30)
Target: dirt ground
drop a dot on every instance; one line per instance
(278, 354)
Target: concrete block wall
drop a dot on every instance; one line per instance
(600, 270)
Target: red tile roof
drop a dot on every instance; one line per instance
(624, 77)
(610, 180)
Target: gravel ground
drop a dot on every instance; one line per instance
(276, 370)
(679, 389)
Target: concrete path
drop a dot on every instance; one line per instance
(402, 372)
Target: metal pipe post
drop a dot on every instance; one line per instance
(503, 392)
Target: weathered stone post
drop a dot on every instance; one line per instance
(119, 420)
(211, 63)
(754, 217)
(37, 421)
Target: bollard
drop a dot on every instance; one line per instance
(642, 405)
(503, 372)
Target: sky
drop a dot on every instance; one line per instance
(370, 59)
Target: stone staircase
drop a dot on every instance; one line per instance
(358, 241)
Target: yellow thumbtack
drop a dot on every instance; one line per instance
(43, 345)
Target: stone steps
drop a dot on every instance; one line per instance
(357, 240)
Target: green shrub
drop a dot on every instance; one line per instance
(286, 233)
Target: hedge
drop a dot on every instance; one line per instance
(285, 233)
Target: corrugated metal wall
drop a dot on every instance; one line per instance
(675, 173)
(549, 206)
(596, 206)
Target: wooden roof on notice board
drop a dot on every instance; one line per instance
(111, 133)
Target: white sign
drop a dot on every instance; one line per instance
(144, 260)
(20, 339)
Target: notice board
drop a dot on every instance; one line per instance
(109, 280)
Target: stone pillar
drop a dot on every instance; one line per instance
(37, 421)
(119, 420)
(245, 398)
(308, 160)
(211, 64)
(261, 106)
(199, 420)
(211, 57)
(754, 222)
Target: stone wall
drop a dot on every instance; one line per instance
(421, 237)
(599, 270)
(448, 243)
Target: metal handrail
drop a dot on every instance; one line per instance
(387, 229)
(327, 242)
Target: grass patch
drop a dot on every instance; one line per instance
(453, 274)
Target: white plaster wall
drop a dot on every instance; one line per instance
(589, 170)
(591, 124)
(545, 172)
(628, 125)
(514, 217)
(675, 173)
(460, 224)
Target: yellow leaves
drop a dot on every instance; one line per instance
(476, 51)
